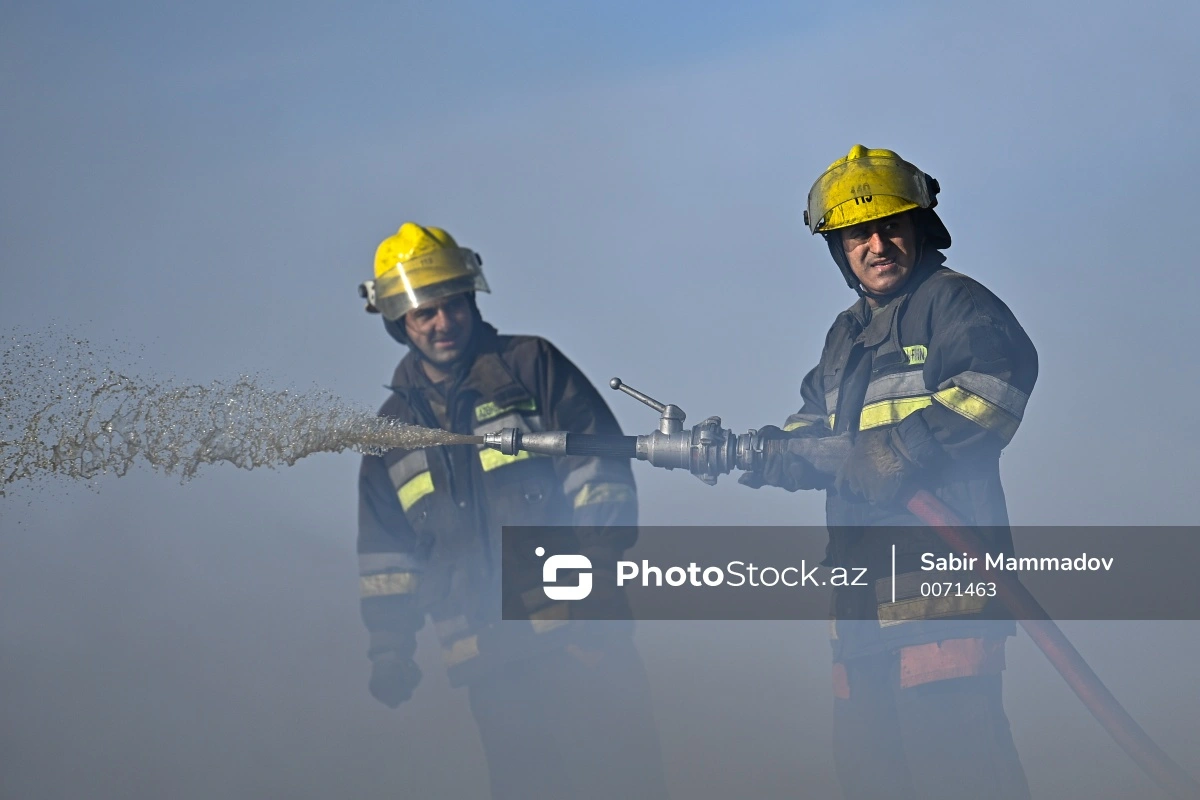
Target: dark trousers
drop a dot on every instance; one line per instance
(944, 739)
(572, 723)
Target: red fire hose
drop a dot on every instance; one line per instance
(1062, 654)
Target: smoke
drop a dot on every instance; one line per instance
(68, 412)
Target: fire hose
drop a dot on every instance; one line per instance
(708, 451)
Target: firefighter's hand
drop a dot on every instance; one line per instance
(876, 468)
(782, 463)
(393, 679)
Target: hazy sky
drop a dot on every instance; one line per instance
(206, 184)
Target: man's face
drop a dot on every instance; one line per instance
(882, 252)
(441, 328)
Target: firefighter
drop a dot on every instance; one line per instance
(930, 373)
(562, 705)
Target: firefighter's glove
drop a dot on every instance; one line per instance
(877, 468)
(782, 462)
(393, 679)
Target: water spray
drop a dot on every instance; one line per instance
(63, 412)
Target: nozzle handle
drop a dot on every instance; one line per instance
(636, 395)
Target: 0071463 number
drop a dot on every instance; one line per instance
(950, 589)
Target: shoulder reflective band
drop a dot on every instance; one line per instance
(388, 583)
(593, 493)
(415, 489)
(982, 412)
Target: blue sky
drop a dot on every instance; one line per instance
(206, 183)
(250, 160)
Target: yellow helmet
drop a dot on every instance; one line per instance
(864, 186)
(418, 264)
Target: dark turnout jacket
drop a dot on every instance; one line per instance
(430, 519)
(947, 364)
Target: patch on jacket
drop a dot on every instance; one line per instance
(486, 411)
(916, 354)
